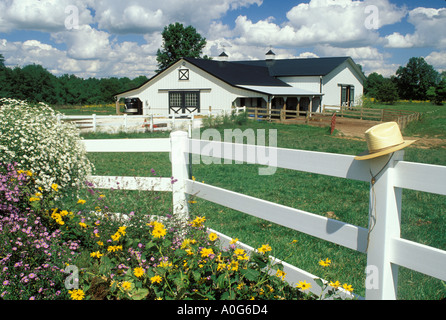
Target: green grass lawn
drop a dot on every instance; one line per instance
(423, 214)
(433, 118)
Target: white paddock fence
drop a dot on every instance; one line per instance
(131, 123)
(140, 123)
(381, 242)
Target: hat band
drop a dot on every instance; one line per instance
(386, 148)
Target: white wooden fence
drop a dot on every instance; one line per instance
(382, 243)
(149, 122)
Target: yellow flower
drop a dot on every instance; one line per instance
(159, 232)
(80, 201)
(198, 222)
(303, 285)
(121, 230)
(325, 263)
(206, 252)
(83, 224)
(114, 248)
(138, 271)
(335, 284)
(221, 266)
(213, 236)
(239, 251)
(116, 236)
(55, 187)
(165, 264)
(280, 274)
(63, 213)
(233, 241)
(186, 243)
(32, 199)
(126, 285)
(347, 287)
(243, 257)
(100, 243)
(264, 248)
(156, 279)
(96, 254)
(233, 265)
(77, 294)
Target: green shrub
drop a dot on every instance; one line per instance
(32, 136)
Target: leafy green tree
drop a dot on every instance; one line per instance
(387, 92)
(415, 79)
(371, 85)
(437, 94)
(179, 42)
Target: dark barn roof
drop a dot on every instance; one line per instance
(298, 67)
(238, 74)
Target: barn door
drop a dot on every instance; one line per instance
(181, 102)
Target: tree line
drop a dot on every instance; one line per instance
(418, 80)
(36, 84)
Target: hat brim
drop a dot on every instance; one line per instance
(367, 155)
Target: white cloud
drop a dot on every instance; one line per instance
(141, 16)
(370, 58)
(340, 22)
(429, 26)
(85, 43)
(44, 15)
(437, 59)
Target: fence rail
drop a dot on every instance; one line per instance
(402, 117)
(150, 122)
(382, 244)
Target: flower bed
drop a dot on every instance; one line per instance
(78, 253)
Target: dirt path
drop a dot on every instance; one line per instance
(354, 129)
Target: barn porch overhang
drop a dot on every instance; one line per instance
(276, 91)
(288, 98)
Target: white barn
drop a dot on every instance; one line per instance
(198, 85)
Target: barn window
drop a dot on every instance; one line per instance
(184, 101)
(183, 74)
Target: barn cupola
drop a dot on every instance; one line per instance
(270, 55)
(223, 57)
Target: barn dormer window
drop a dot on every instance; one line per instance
(183, 74)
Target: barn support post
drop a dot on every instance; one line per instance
(384, 225)
(118, 109)
(180, 173)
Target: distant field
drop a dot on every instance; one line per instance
(423, 214)
(101, 109)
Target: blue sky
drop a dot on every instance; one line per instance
(105, 38)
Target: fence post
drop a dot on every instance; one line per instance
(384, 225)
(94, 122)
(180, 173)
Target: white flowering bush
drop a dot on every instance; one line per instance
(32, 137)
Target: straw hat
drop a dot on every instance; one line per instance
(383, 139)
